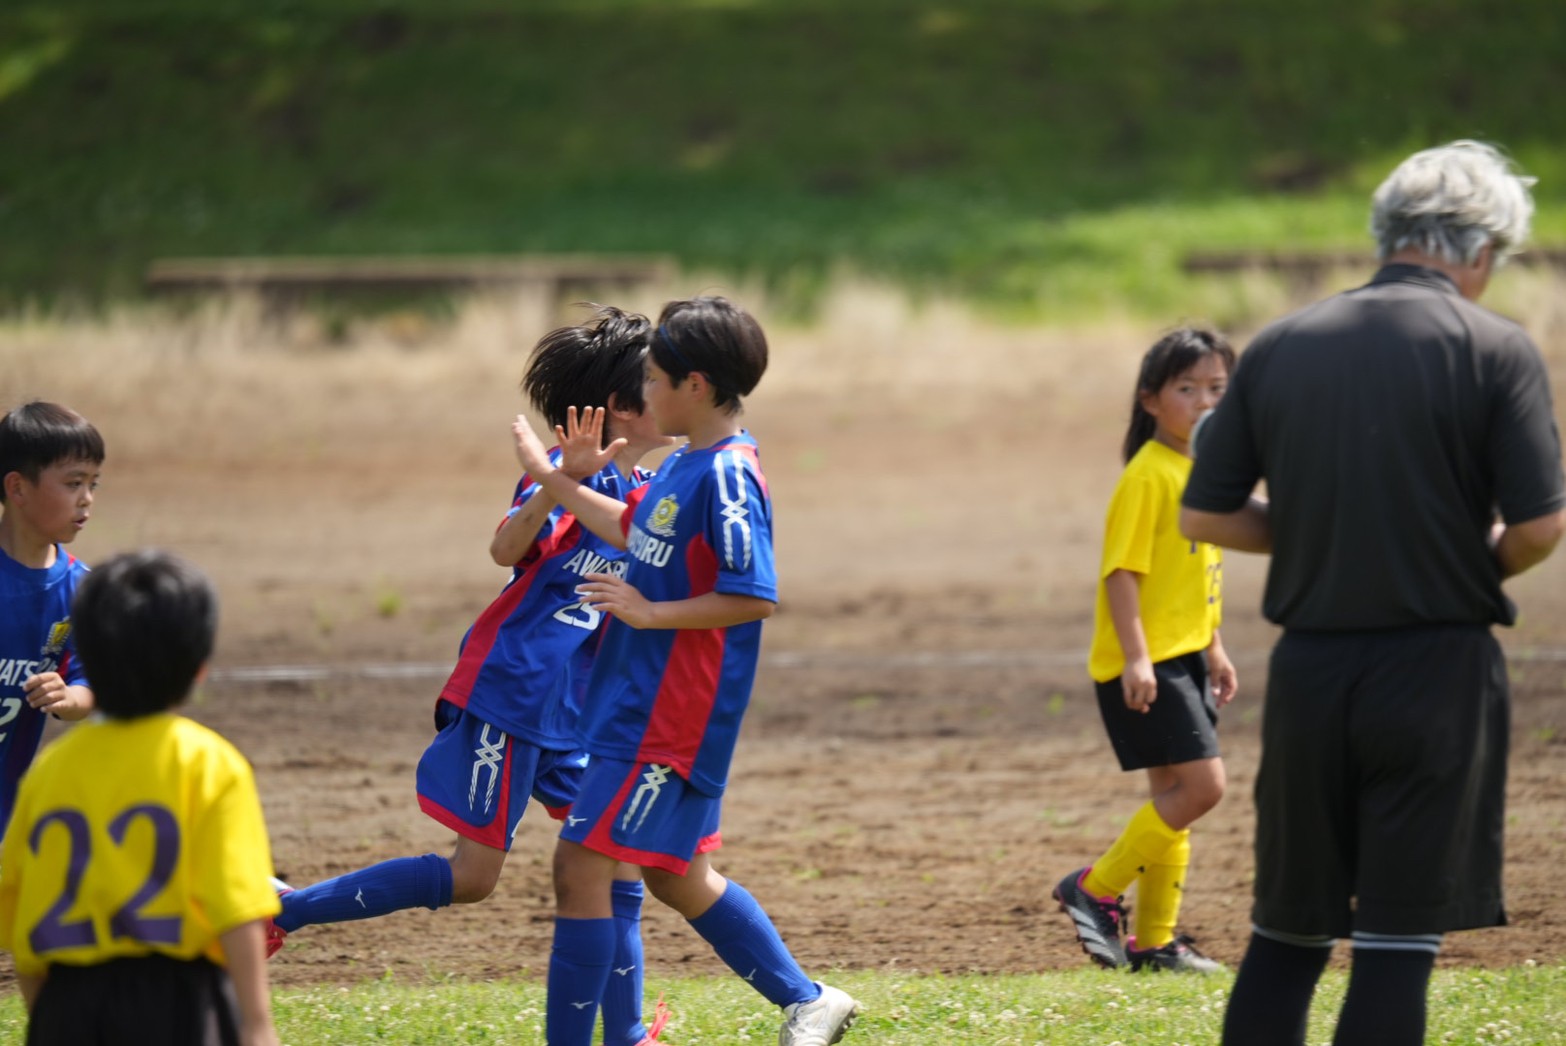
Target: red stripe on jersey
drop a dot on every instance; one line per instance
(632, 499)
(481, 639)
(749, 450)
(677, 723)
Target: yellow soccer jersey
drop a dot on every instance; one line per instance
(132, 837)
(1181, 580)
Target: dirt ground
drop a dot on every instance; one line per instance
(923, 758)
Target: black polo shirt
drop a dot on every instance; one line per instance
(1390, 423)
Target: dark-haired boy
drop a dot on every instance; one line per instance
(134, 886)
(50, 458)
(506, 718)
(669, 689)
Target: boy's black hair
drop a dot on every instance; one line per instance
(1171, 356)
(39, 434)
(580, 366)
(144, 623)
(714, 337)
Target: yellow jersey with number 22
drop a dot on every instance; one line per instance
(133, 837)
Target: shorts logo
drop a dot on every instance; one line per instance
(489, 758)
(651, 787)
(661, 522)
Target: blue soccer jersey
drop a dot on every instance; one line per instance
(524, 662)
(35, 636)
(676, 696)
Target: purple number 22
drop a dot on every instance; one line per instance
(54, 932)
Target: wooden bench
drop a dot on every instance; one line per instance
(281, 281)
(1308, 269)
(1318, 261)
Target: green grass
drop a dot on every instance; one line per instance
(1525, 1004)
(1055, 157)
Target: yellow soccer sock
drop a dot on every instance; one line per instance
(1146, 838)
(1159, 891)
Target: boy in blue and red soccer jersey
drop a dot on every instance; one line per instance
(672, 680)
(506, 718)
(50, 458)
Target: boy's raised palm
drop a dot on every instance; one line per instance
(582, 453)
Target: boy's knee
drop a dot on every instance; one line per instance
(474, 873)
(471, 889)
(662, 885)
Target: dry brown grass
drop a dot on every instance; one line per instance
(910, 445)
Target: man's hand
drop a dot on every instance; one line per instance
(1221, 676)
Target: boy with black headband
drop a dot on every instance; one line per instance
(672, 680)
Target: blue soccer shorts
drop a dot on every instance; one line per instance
(643, 814)
(476, 779)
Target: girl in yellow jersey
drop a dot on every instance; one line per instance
(1158, 664)
(135, 877)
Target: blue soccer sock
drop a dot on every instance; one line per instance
(742, 935)
(622, 1002)
(578, 973)
(391, 886)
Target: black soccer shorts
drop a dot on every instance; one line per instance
(1381, 793)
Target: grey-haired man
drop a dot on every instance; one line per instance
(1412, 462)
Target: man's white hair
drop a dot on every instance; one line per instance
(1450, 201)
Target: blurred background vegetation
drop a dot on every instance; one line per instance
(1040, 158)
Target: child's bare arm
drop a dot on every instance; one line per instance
(597, 512)
(519, 530)
(1123, 590)
(29, 984)
(245, 947)
(614, 595)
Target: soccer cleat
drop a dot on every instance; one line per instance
(1097, 920)
(274, 932)
(660, 1018)
(1178, 956)
(819, 1022)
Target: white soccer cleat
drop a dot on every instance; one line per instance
(820, 1022)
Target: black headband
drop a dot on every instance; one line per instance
(663, 332)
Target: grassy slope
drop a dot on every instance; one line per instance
(1045, 153)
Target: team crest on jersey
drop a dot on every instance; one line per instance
(661, 521)
(59, 632)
